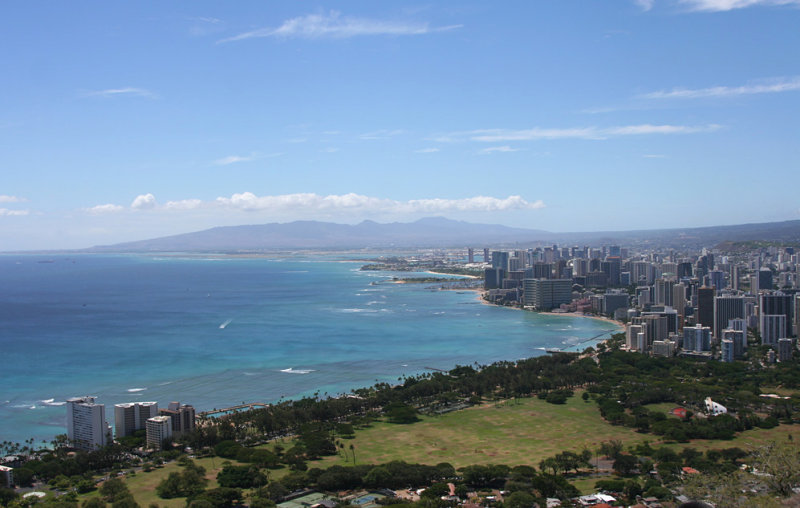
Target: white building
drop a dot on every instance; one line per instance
(6, 477)
(159, 429)
(87, 428)
(714, 408)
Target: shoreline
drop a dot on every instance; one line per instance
(619, 324)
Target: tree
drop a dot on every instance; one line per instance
(625, 464)
(7, 496)
(245, 477)
(519, 499)
(114, 489)
(401, 413)
(781, 464)
(94, 502)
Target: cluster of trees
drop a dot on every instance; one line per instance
(630, 381)
(187, 483)
(401, 402)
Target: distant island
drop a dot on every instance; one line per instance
(442, 232)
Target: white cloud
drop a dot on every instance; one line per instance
(496, 149)
(129, 91)
(310, 202)
(728, 5)
(144, 202)
(427, 150)
(232, 159)
(654, 156)
(381, 134)
(11, 199)
(184, 204)
(336, 26)
(645, 5)
(331, 149)
(5, 212)
(104, 209)
(537, 133)
(776, 86)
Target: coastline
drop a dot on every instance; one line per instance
(619, 324)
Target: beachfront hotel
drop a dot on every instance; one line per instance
(87, 428)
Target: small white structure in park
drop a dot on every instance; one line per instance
(714, 408)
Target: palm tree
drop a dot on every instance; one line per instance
(353, 449)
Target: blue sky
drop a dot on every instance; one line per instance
(130, 120)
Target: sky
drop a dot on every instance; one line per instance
(122, 121)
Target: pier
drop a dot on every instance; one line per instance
(252, 405)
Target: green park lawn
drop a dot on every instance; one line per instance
(514, 432)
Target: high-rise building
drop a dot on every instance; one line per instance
(785, 349)
(613, 300)
(771, 327)
(493, 278)
(486, 256)
(736, 274)
(182, 417)
(470, 255)
(716, 279)
(764, 279)
(631, 336)
(612, 267)
(697, 338)
(87, 428)
(500, 259)
(727, 307)
(546, 294)
(797, 314)
(777, 303)
(739, 339)
(679, 302)
(159, 429)
(132, 416)
(705, 306)
(727, 350)
(663, 348)
(6, 477)
(663, 292)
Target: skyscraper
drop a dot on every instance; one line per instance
(777, 303)
(500, 259)
(771, 327)
(132, 416)
(726, 307)
(87, 428)
(547, 294)
(705, 306)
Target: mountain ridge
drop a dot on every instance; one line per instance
(436, 232)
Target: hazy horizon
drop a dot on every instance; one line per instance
(123, 122)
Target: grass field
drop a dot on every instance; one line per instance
(512, 433)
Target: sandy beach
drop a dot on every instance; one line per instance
(618, 324)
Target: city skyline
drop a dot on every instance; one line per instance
(128, 122)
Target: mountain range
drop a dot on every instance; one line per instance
(440, 232)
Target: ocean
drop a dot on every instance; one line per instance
(218, 331)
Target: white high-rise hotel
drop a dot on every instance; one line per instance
(87, 428)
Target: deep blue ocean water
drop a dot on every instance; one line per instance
(214, 332)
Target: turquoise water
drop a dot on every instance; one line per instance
(214, 332)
